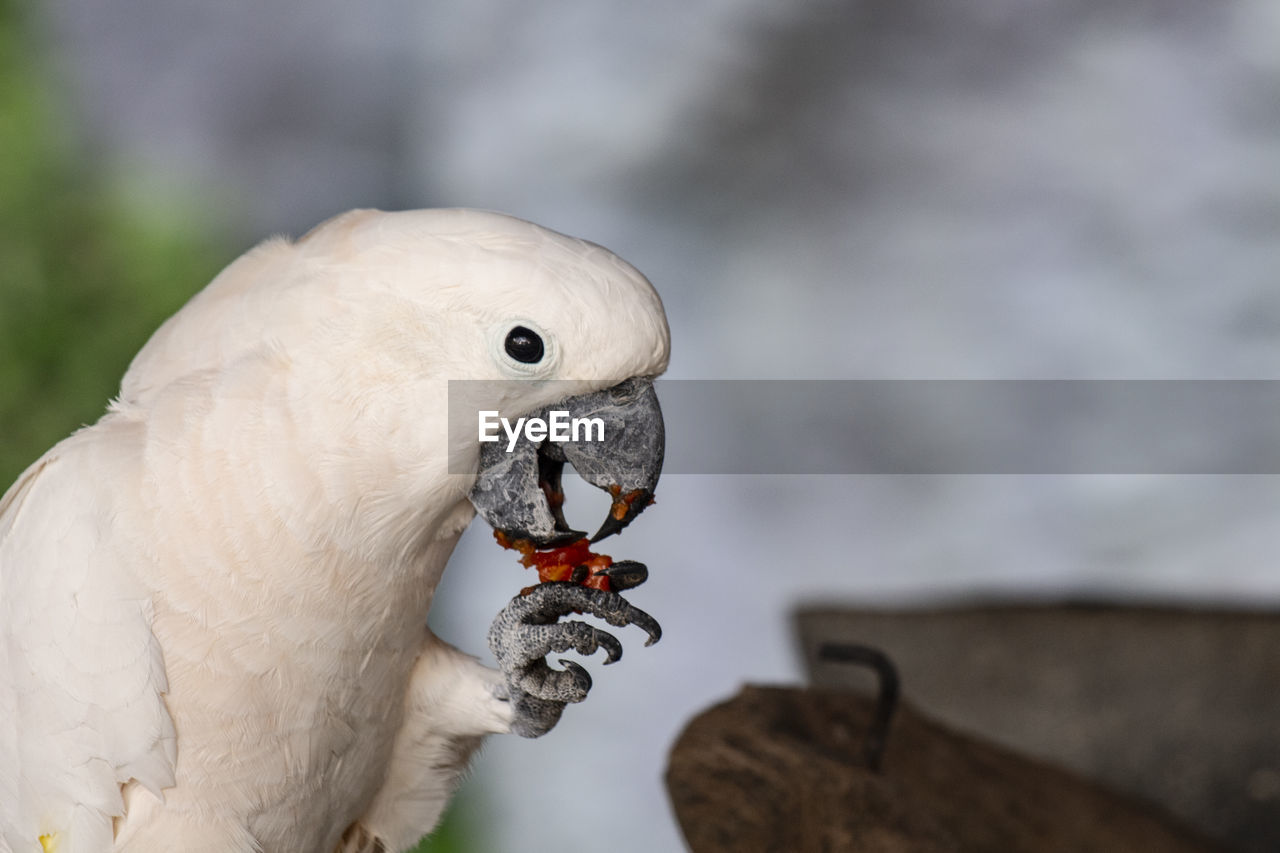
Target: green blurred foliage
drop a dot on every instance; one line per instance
(86, 274)
(456, 832)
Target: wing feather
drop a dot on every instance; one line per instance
(81, 674)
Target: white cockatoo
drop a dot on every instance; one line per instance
(213, 601)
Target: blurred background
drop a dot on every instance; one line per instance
(1034, 190)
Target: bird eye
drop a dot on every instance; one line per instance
(524, 345)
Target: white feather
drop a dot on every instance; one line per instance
(81, 696)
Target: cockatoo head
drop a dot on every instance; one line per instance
(532, 322)
(386, 321)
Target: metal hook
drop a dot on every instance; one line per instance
(886, 701)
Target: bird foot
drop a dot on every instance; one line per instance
(529, 628)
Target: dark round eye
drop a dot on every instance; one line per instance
(524, 345)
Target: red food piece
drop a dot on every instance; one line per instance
(559, 564)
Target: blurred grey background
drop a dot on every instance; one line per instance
(1034, 190)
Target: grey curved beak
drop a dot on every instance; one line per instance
(616, 443)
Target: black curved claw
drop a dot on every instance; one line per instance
(580, 675)
(626, 574)
(614, 609)
(613, 649)
(540, 681)
(547, 602)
